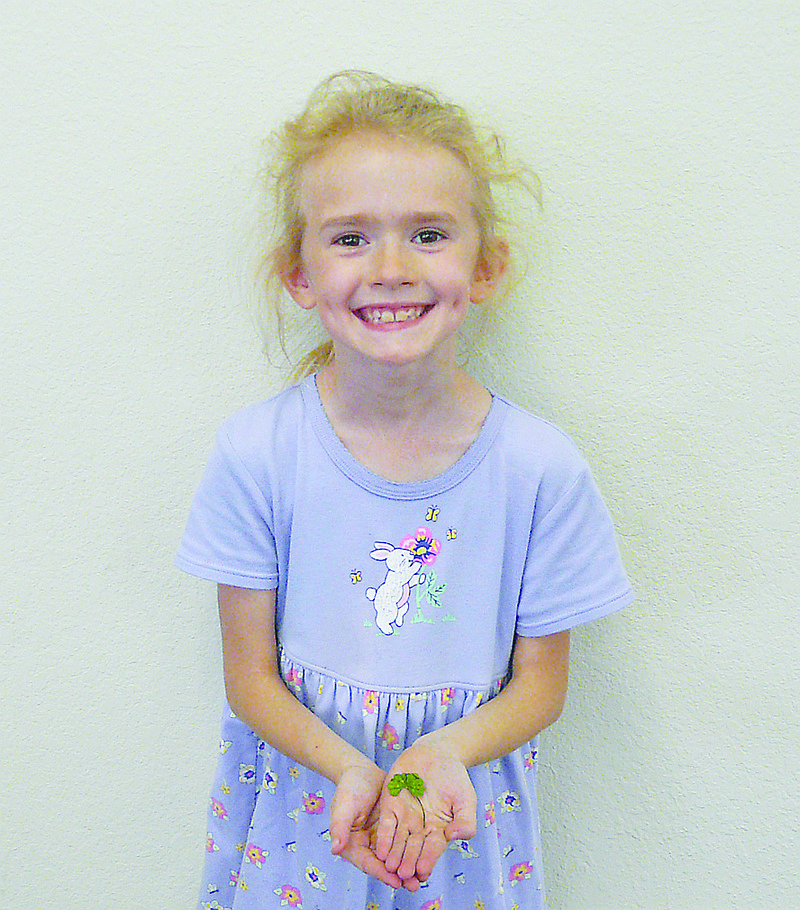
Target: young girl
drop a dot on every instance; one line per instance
(400, 553)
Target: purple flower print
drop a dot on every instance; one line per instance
(423, 545)
(315, 878)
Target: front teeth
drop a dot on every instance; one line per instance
(379, 317)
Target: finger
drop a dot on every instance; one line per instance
(395, 856)
(387, 825)
(363, 858)
(343, 816)
(408, 865)
(433, 847)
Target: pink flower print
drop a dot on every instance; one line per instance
(313, 803)
(290, 897)
(218, 809)
(293, 678)
(371, 703)
(211, 847)
(510, 802)
(435, 904)
(255, 855)
(234, 880)
(520, 872)
(530, 759)
(423, 545)
(489, 815)
(389, 737)
(447, 696)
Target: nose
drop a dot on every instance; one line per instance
(392, 265)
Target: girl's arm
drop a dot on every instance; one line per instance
(258, 695)
(532, 700)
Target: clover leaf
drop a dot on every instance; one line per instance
(411, 782)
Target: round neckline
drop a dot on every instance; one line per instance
(391, 489)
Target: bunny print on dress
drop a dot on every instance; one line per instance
(391, 597)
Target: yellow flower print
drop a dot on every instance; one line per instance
(294, 772)
(372, 906)
(479, 905)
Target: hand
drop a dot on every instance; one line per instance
(354, 819)
(407, 847)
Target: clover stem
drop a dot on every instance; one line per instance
(424, 823)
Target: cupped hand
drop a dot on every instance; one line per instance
(408, 844)
(354, 820)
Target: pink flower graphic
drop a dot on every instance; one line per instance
(530, 759)
(520, 872)
(313, 803)
(218, 809)
(423, 545)
(255, 855)
(435, 904)
(293, 678)
(390, 738)
(489, 814)
(371, 702)
(447, 696)
(210, 845)
(290, 897)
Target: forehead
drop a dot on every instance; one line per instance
(387, 175)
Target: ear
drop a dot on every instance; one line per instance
(297, 284)
(490, 269)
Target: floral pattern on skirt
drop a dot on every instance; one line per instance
(268, 843)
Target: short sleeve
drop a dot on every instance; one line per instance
(229, 537)
(573, 571)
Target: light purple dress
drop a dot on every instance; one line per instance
(397, 607)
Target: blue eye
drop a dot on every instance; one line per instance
(430, 235)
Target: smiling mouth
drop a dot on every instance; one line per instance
(376, 315)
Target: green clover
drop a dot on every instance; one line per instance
(411, 782)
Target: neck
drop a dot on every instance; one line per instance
(389, 395)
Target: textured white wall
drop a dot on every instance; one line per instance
(659, 327)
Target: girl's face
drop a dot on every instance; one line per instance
(390, 252)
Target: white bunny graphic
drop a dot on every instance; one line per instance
(391, 598)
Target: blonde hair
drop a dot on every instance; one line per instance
(355, 101)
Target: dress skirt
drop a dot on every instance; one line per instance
(269, 845)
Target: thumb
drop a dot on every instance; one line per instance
(343, 815)
(463, 826)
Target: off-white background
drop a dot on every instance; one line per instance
(659, 326)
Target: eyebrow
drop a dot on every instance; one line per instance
(359, 220)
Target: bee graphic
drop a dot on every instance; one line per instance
(355, 576)
(452, 533)
(432, 513)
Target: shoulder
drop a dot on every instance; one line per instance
(535, 447)
(267, 427)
